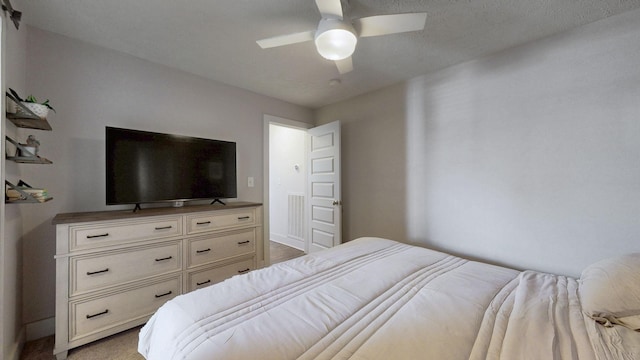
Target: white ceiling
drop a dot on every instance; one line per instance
(216, 38)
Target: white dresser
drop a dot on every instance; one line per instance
(115, 268)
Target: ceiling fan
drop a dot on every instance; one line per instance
(337, 35)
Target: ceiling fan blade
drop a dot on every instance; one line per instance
(330, 8)
(286, 39)
(389, 24)
(344, 65)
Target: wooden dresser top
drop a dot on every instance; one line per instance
(79, 217)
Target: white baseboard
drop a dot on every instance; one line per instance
(13, 352)
(282, 239)
(41, 328)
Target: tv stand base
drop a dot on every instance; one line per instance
(217, 201)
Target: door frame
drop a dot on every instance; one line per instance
(275, 120)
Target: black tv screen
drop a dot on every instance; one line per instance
(145, 167)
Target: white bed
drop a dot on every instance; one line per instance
(379, 299)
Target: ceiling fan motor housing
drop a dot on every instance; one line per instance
(335, 39)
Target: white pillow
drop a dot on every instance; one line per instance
(610, 291)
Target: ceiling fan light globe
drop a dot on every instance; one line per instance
(335, 39)
(336, 44)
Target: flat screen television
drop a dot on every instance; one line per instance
(147, 167)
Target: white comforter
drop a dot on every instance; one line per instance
(378, 299)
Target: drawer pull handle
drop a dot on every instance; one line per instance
(244, 217)
(106, 311)
(163, 227)
(165, 258)
(243, 242)
(165, 294)
(203, 251)
(244, 271)
(203, 223)
(97, 236)
(97, 272)
(202, 283)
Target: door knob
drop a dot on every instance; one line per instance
(337, 202)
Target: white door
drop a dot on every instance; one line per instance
(324, 210)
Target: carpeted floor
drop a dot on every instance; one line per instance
(123, 346)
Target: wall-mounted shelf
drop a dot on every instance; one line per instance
(24, 156)
(23, 192)
(26, 118)
(29, 123)
(30, 160)
(24, 196)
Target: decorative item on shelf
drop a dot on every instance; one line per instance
(30, 149)
(23, 192)
(11, 105)
(33, 143)
(30, 106)
(40, 109)
(12, 101)
(26, 153)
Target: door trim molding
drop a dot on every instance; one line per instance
(268, 120)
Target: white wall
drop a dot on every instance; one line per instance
(528, 158)
(11, 330)
(374, 164)
(91, 87)
(286, 149)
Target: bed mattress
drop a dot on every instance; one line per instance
(374, 298)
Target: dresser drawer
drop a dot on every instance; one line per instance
(117, 267)
(220, 220)
(200, 279)
(92, 236)
(222, 246)
(98, 314)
